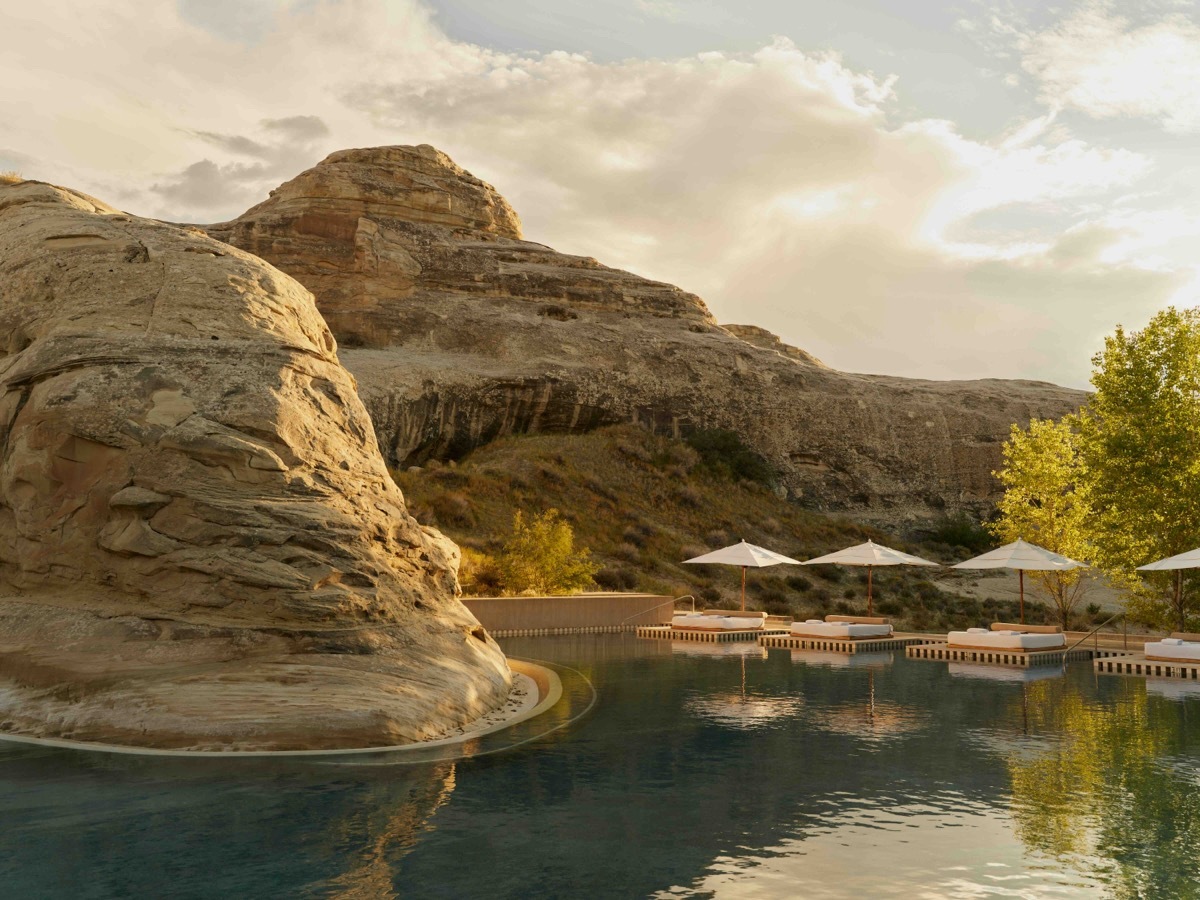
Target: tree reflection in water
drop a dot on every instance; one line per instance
(1100, 786)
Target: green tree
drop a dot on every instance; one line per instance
(1043, 504)
(1140, 444)
(540, 557)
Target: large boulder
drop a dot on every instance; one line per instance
(200, 544)
(459, 331)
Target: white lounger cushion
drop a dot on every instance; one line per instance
(838, 630)
(1004, 640)
(1173, 648)
(716, 623)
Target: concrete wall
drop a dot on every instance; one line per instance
(564, 615)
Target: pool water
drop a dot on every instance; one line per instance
(700, 771)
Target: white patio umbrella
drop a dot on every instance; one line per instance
(1189, 560)
(1176, 563)
(746, 556)
(870, 555)
(1023, 557)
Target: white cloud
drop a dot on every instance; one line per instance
(1104, 65)
(775, 184)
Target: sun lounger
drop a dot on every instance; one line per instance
(1179, 647)
(843, 628)
(719, 620)
(1005, 636)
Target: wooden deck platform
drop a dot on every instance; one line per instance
(1137, 664)
(941, 651)
(667, 633)
(789, 641)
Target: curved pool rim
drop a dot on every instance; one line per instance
(550, 693)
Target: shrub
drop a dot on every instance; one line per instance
(717, 538)
(540, 557)
(962, 531)
(777, 606)
(798, 583)
(453, 508)
(634, 536)
(478, 573)
(10, 177)
(722, 453)
(615, 578)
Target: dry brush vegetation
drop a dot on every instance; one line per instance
(643, 503)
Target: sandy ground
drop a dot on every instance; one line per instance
(1003, 585)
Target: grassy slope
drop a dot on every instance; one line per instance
(643, 503)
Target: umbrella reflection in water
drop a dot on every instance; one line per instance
(742, 710)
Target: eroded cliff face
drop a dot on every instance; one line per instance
(460, 331)
(200, 545)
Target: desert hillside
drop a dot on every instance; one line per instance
(459, 331)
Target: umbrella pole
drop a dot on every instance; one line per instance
(1021, 576)
(743, 588)
(870, 569)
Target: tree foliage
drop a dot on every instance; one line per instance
(1043, 503)
(540, 557)
(1140, 447)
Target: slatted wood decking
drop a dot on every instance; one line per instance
(788, 641)
(1137, 664)
(667, 633)
(941, 651)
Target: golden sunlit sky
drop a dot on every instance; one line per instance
(957, 190)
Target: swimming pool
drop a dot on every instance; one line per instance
(699, 771)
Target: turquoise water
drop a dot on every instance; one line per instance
(693, 775)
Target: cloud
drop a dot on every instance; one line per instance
(785, 186)
(205, 185)
(1106, 66)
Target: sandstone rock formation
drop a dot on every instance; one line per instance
(200, 545)
(458, 331)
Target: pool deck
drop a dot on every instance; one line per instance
(1136, 664)
(788, 641)
(667, 633)
(941, 651)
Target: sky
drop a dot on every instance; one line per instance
(942, 189)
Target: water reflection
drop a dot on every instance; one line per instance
(1103, 789)
(715, 775)
(383, 836)
(871, 720)
(876, 660)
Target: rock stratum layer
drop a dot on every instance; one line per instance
(459, 331)
(200, 545)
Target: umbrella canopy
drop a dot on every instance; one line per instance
(746, 556)
(870, 555)
(1189, 560)
(1023, 557)
(743, 554)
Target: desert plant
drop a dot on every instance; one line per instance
(540, 557)
(478, 573)
(10, 177)
(724, 454)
